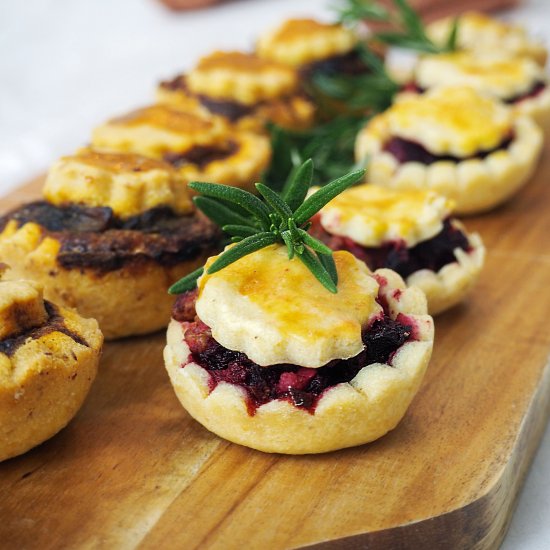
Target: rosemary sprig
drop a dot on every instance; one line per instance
(282, 218)
(406, 27)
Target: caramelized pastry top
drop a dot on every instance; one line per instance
(496, 74)
(153, 131)
(241, 77)
(130, 184)
(273, 310)
(372, 215)
(298, 42)
(454, 121)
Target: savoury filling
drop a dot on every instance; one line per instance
(301, 386)
(405, 150)
(94, 237)
(432, 254)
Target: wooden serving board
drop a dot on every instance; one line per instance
(134, 470)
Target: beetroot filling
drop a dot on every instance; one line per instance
(299, 385)
(431, 254)
(405, 150)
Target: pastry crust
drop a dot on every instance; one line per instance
(499, 76)
(452, 283)
(347, 414)
(129, 184)
(294, 111)
(475, 184)
(200, 148)
(127, 301)
(298, 42)
(481, 33)
(34, 407)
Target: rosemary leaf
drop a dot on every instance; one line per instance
(298, 185)
(189, 282)
(314, 244)
(451, 43)
(312, 262)
(277, 203)
(237, 196)
(220, 214)
(239, 230)
(241, 249)
(319, 199)
(287, 238)
(329, 265)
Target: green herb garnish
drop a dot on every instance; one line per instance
(279, 218)
(406, 27)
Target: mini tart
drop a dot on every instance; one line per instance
(360, 409)
(48, 361)
(410, 232)
(519, 82)
(299, 42)
(114, 262)
(482, 34)
(465, 146)
(200, 148)
(243, 89)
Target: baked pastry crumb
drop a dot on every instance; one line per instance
(39, 338)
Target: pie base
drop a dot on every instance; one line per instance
(538, 108)
(476, 185)
(128, 301)
(346, 415)
(451, 284)
(44, 383)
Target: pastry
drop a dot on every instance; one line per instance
(481, 34)
(200, 148)
(453, 140)
(275, 362)
(243, 89)
(115, 231)
(263, 354)
(48, 361)
(410, 232)
(516, 81)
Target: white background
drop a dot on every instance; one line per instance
(67, 65)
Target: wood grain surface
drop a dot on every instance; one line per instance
(134, 470)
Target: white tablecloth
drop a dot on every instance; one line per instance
(67, 65)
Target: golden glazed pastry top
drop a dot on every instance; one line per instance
(274, 310)
(156, 130)
(128, 183)
(301, 41)
(479, 32)
(371, 215)
(493, 73)
(21, 307)
(454, 121)
(241, 77)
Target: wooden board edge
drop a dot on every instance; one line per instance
(481, 524)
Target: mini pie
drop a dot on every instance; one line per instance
(410, 232)
(263, 355)
(243, 89)
(115, 231)
(200, 148)
(48, 361)
(453, 140)
(517, 81)
(481, 34)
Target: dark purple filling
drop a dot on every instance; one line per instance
(431, 254)
(536, 89)
(347, 64)
(405, 150)
(299, 385)
(201, 155)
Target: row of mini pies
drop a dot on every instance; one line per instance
(118, 204)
